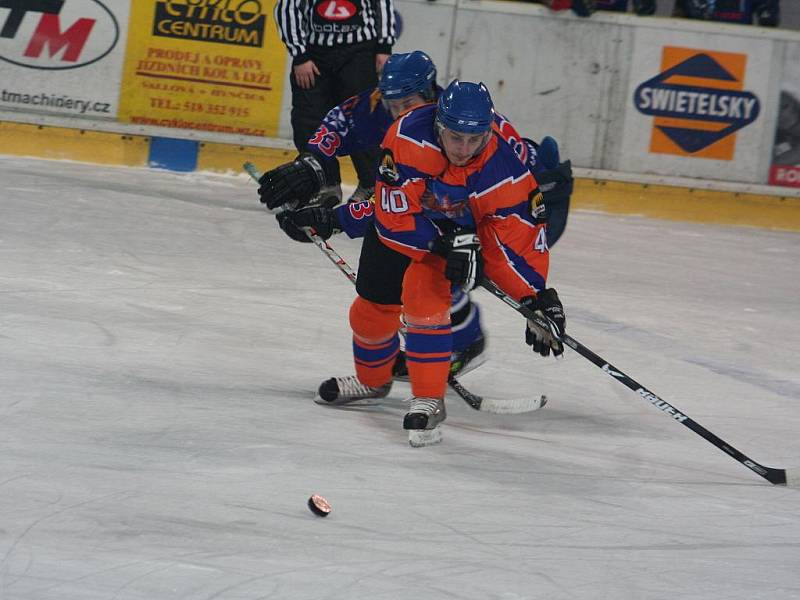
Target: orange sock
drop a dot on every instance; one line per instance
(375, 340)
(429, 340)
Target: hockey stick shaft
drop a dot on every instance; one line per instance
(326, 248)
(773, 475)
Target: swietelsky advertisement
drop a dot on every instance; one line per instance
(62, 57)
(696, 104)
(209, 65)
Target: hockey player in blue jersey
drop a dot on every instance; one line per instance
(407, 81)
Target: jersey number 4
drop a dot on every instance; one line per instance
(393, 201)
(541, 241)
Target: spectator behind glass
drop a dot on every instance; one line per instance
(747, 12)
(640, 7)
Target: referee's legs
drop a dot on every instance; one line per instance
(309, 107)
(356, 76)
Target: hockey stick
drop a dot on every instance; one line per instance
(473, 400)
(773, 475)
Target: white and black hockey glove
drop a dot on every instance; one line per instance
(544, 333)
(292, 183)
(462, 251)
(322, 219)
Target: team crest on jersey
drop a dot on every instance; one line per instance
(450, 200)
(387, 170)
(537, 203)
(698, 102)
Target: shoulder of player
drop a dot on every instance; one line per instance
(412, 142)
(362, 104)
(502, 167)
(505, 156)
(416, 126)
(504, 127)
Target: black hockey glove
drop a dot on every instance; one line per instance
(556, 187)
(556, 183)
(462, 251)
(544, 334)
(322, 219)
(295, 182)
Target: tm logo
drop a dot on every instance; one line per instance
(698, 103)
(56, 34)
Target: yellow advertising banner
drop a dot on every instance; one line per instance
(209, 65)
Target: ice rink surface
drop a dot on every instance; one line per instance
(161, 341)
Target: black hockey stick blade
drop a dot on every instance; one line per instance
(496, 406)
(771, 474)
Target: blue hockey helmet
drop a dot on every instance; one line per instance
(465, 107)
(406, 74)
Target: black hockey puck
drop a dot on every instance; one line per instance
(319, 506)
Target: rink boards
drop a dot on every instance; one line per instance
(665, 198)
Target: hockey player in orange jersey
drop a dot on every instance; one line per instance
(454, 197)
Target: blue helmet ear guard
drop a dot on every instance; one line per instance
(465, 107)
(406, 74)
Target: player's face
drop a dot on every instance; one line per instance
(400, 105)
(459, 147)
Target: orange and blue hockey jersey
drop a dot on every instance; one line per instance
(420, 195)
(356, 217)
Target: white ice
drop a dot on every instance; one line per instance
(161, 341)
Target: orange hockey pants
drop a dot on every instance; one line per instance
(429, 341)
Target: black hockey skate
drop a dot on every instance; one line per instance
(343, 390)
(461, 361)
(423, 419)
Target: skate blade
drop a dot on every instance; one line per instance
(419, 438)
(352, 402)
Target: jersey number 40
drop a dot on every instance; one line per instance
(393, 201)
